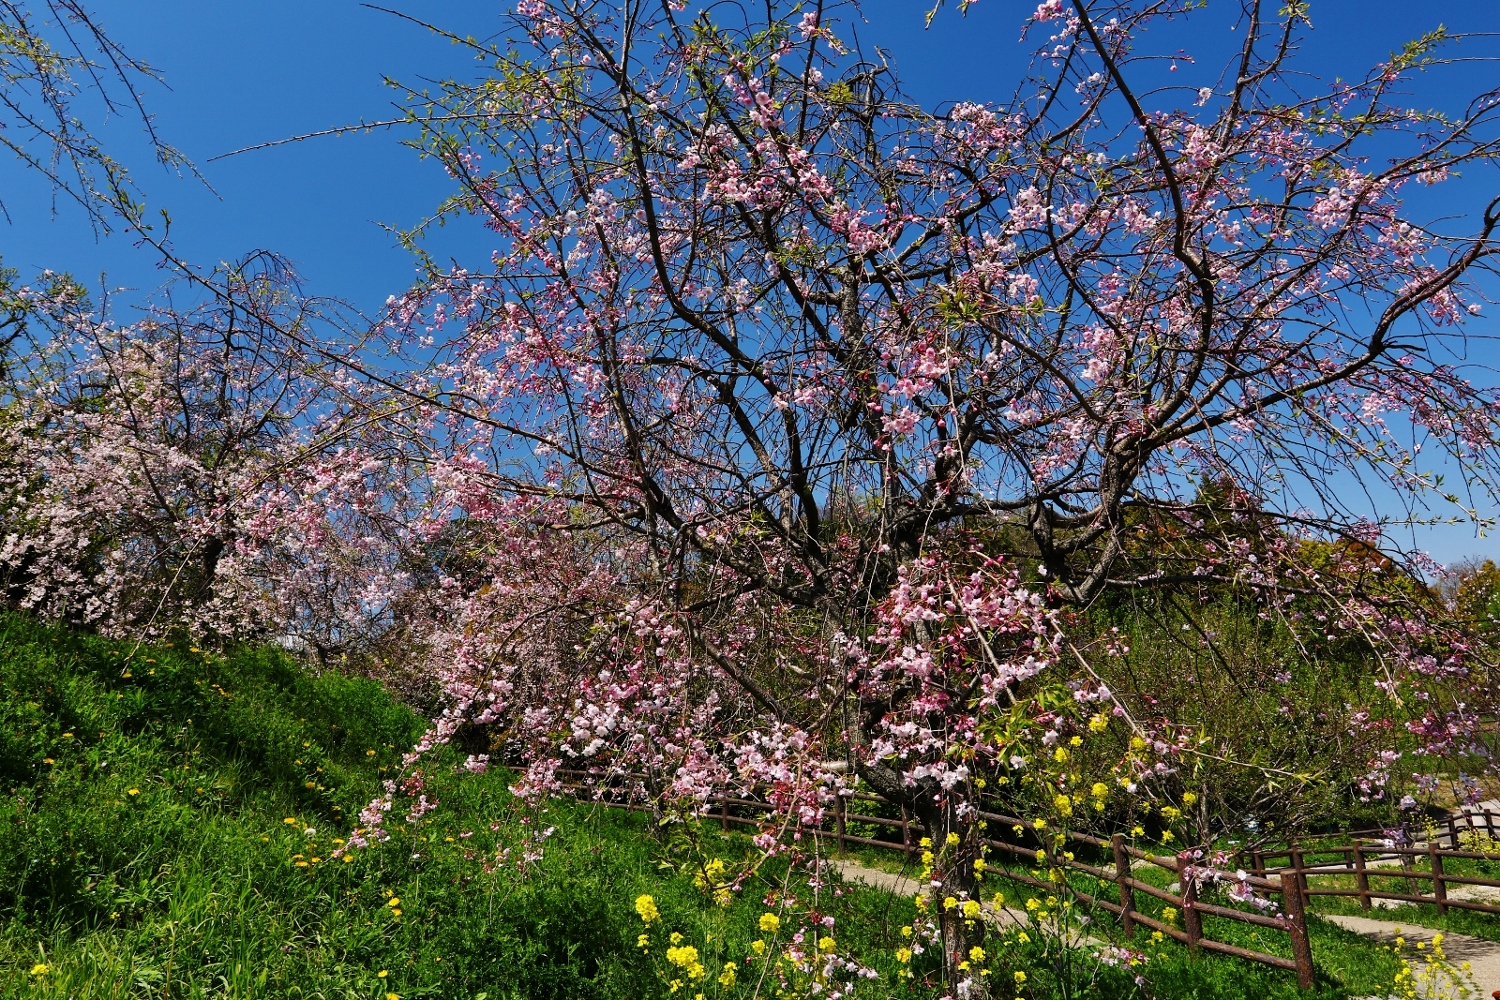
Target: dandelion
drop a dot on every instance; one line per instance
(40, 969)
(132, 791)
(290, 821)
(382, 973)
(393, 902)
(392, 996)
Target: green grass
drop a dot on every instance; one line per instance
(144, 848)
(144, 852)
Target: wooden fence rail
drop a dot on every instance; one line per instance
(1366, 862)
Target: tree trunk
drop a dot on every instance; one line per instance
(952, 878)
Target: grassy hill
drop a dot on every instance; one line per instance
(167, 821)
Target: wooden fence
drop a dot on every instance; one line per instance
(1118, 861)
(1371, 863)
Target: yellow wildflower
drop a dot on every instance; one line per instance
(770, 923)
(646, 907)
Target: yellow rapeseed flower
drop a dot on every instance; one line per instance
(971, 908)
(39, 969)
(758, 946)
(646, 907)
(770, 923)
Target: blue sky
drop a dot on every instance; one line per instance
(245, 73)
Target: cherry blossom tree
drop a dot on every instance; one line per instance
(818, 412)
(197, 468)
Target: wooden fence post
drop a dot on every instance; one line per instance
(1295, 856)
(1192, 920)
(838, 821)
(1452, 832)
(1361, 878)
(1296, 925)
(1439, 890)
(1122, 879)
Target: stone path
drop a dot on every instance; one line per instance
(1483, 956)
(903, 885)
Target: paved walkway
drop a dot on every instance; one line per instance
(903, 885)
(1483, 956)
